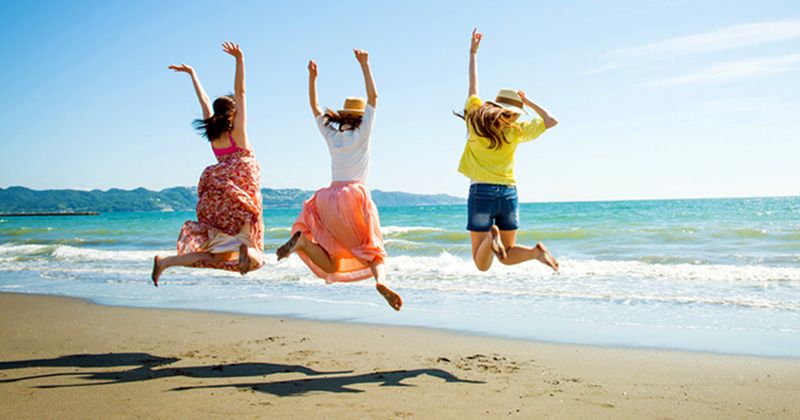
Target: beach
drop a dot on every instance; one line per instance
(67, 358)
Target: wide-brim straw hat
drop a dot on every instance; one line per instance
(510, 100)
(353, 107)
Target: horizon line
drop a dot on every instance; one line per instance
(605, 200)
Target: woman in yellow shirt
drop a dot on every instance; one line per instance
(488, 161)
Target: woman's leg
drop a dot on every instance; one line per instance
(160, 264)
(518, 253)
(485, 245)
(316, 253)
(248, 260)
(378, 269)
(482, 207)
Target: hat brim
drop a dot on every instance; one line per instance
(511, 108)
(351, 112)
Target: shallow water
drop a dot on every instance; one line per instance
(718, 275)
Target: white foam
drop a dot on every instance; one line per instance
(71, 253)
(395, 230)
(622, 282)
(20, 250)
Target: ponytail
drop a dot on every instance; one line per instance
(213, 127)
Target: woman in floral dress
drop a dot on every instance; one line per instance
(229, 231)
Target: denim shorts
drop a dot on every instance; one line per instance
(492, 204)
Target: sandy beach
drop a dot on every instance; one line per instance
(68, 358)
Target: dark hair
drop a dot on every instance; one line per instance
(332, 117)
(489, 121)
(221, 121)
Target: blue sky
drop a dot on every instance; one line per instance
(656, 99)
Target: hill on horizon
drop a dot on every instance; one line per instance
(19, 199)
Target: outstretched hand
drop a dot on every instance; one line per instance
(232, 49)
(362, 56)
(182, 68)
(312, 69)
(476, 40)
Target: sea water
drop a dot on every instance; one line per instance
(715, 275)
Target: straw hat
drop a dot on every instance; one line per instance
(510, 100)
(353, 107)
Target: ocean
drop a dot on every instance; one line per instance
(710, 275)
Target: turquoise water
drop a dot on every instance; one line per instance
(718, 275)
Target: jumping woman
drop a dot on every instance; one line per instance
(493, 133)
(229, 231)
(337, 233)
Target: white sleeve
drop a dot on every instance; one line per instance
(365, 128)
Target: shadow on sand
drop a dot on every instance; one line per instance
(147, 367)
(337, 383)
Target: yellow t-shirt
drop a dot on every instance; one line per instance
(495, 166)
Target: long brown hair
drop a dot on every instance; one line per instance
(489, 121)
(332, 117)
(222, 121)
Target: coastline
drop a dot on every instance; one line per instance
(179, 363)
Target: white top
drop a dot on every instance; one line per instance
(349, 149)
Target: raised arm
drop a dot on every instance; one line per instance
(372, 93)
(473, 61)
(312, 89)
(549, 120)
(205, 103)
(240, 118)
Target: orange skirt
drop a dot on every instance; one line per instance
(343, 220)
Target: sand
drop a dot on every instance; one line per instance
(68, 358)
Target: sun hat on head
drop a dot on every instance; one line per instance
(353, 107)
(510, 100)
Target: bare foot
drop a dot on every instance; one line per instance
(545, 257)
(497, 245)
(157, 270)
(286, 249)
(244, 259)
(392, 298)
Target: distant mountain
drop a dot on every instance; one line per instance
(26, 200)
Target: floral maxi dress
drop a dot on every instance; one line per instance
(229, 212)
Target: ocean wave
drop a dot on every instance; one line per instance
(24, 249)
(448, 264)
(282, 230)
(22, 231)
(743, 233)
(630, 283)
(390, 230)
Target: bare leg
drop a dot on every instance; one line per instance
(316, 253)
(497, 244)
(160, 264)
(244, 259)
(254, 263)
(517, 253)
(379, 272)
(290, 246)
(482, 253)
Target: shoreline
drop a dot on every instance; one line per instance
(442, 330)
(58, 352)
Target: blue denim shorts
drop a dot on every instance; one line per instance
(492, 204)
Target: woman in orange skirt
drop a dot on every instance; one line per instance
(229, 231)
(337, 233)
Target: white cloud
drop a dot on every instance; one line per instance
(735, 70)
(726, 38)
